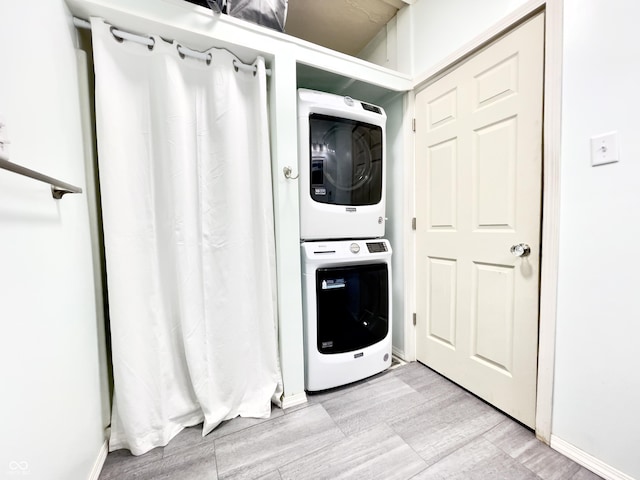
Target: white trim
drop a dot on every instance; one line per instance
(293, 400)
(587, 461)
(196, 26)
(398, 4)
(396, 352)
(551, 190)
(488, 36)
(99, 463)
(409, 235)
(398, 360)
(550, 218)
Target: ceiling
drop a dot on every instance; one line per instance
(343, 25)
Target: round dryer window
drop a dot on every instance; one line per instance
(354, 168)
(346, 161)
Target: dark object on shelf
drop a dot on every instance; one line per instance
(209, 4)
(268, 13)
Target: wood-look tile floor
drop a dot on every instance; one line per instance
(406, 423)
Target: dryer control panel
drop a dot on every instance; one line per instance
(376, 247)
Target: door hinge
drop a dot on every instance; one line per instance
(414, 319)
(413, 223)
(413, 124)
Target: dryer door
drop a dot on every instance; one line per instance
(352, 307)
(346, 161)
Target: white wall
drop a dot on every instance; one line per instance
(597, 382)
(428, 31)
(51, 407)
(392, 47)
(441, 27)
(396, 214)
(382, 49)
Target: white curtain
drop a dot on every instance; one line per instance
(185, 177)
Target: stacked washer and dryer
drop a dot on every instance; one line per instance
(346, 262)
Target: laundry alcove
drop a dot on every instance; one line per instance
(293, 64)
(395, 104)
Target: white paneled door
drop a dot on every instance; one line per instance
(478, 194)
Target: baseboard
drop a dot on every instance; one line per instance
(293, 400)
(398, 353)
(587, 461)
(99, 463)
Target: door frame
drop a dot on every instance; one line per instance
(552, 121)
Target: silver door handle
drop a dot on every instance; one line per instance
(521, 250)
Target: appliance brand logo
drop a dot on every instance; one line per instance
(358, 355)
(333, 283)
(351, 209)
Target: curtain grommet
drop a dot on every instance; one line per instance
(118, 39)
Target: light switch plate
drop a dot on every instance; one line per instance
(604, 149)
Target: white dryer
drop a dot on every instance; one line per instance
(347, 311)
(342, 164)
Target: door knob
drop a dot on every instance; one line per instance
(521, 250)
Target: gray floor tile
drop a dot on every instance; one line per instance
(196, 463)
(325, 395)
(427, 382)
(240, 423)
(373, 402)
(584, 474)
(415, 374)
(300, 406)
(551, 465)
(478, 460)
(188, 438)
(192, 436)
(263, 448)
(514, 439)
(399, 422)
(521, 444)
(275, 475)
(377, 453)
(437, 428)
(120, 463)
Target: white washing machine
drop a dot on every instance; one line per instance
(342, 165)
(347, 311)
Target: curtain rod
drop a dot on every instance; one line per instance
(58, 187)
(149, 42)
